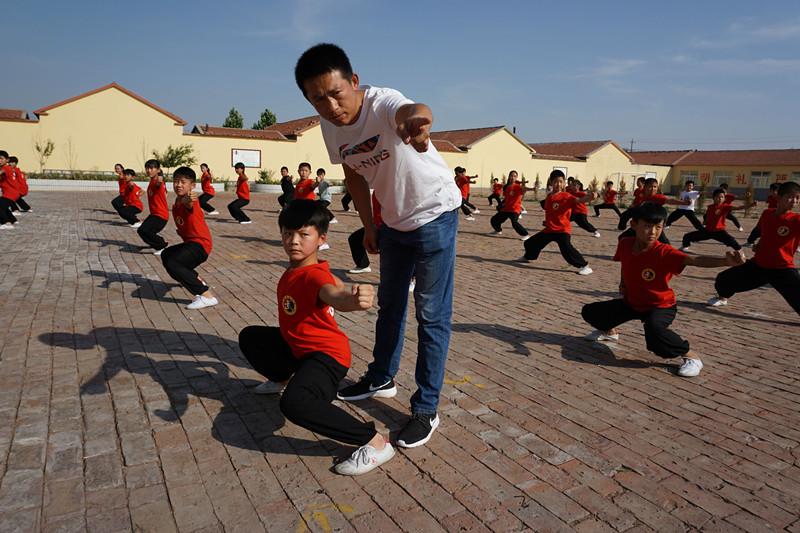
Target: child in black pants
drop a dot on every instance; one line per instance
(715, 224)
(130, 197)
(307, 356)
(609, 200)
(157, 203)
(647, 267)
(242, 196)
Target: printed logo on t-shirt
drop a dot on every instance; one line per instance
(718, 211)
(783, 231)
(555, 206)
(288, 305)
(364, 147)
(150, 192)
(179, 220)
(648, 274)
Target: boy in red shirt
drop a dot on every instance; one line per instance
(10, 192)
(581, 211)
(307, 356)
(21, 183)
(715, 224)
(463, 181)
(130, 198)
(208, 190)
(304, 190)
(773, 262)
(157, 203)
(729, 198)
(609, 200)
(497, 190)
(511, 206)
(182, 259)
(650, 194)
(638, 192)
(558, 207)
(242, 196)
(647, 265)
(772, 203)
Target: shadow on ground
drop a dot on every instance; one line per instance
(147, 288)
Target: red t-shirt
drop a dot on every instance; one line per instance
(715, 216)
(637, 196)
(557, 209)
(307, 323)
(22, 182)
(191, 225)
(8, 183)
(780, 237)
(729, 198)
(513, 199)
(609, 197)
(205, 183)
(305, 190)
(772, 201)
(121, 183)
(580, 208)
(659, 199)
(646, 275)
(157, 199)
(242, 189)
(463, 184)
(497, 189)
(131, 196)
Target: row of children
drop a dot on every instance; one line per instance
(14, 188)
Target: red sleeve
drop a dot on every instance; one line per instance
(618, 253)
(316, 279)
(673, 260)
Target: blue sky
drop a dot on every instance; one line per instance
(700, 74)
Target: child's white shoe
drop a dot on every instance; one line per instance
(717, 302)
(585, 271)
(324, 246)
(599, 336)
(201, 301)
(690, 368)
(364, 459)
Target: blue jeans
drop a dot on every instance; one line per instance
(429, 253)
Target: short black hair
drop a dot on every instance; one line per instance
(610, 183)
(570, 178)
(301, 213)
(304, 164)
(184, 172)
(321, 59)
(238, 165)
(688, 182)
(129, 172)
(556, 174)
(774, 186)
(648, 181)
(717, 191)
(285, 168)
(788, 187)
(13, 159)
(120, 165)
(641, 179)
(649, 212)
(152, 163)
(723, 186)
(204, 165)
(3, 153)
(320, 171)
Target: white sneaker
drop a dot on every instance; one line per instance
(269, 387)
(599, 336)
(158, 252)
(469, 218)
(524, 212)
(667, 227)
(685, 248)
(214, 212)
(347, 210)
(741, 228)
(523, 259)
(476, 212)
(359, 270)
(717, 302)
(7, 225)
(585, 271)
(324, 246)
(747, 245)
(201, 301)
(246, 222)
(526, 237)
(333, 221)
(364, 459)
(134, 226)
(690, 368)
(596, 234)
(412, 285)
(495, 233)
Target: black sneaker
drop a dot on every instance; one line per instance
(366, 389)
(418, 431)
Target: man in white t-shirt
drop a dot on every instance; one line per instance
(688, 193)
(381, 139)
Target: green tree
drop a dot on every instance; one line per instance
(234, 119)
(175, 156)
(266, 120)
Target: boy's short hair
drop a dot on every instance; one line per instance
(571, 178)
(788, 187)
(774, 186)
(301, 213)
(556, 174)
(13, 159)
(717, 191)
(649, 212)
(459, 169)
(320, 171)
(3, 153)
(641, 179)
(304, 164)
(184, 172)
(610, 183)
(152, 163)
(321, 59)
(129, 172)
(688, 182)
(285, 168)
(239, 165)
(495, 179)
(723, 186)
(648, 181)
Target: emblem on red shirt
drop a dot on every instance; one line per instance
(555, 206)
(150, 192)
(648, 274)
(289, 306)
(783, 231)
(179, 221)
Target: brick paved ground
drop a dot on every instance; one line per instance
(121, 410)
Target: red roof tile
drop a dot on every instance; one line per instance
(13, 114)
(559, 157)
(659, 157)
(464, 138)
(446, 146)
(213, 131)
(295, 127)
(720, 158)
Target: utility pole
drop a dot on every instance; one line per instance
(632, 141)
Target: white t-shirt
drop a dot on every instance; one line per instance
(692, 197)
(413, 188)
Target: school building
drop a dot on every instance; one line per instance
(94, 130)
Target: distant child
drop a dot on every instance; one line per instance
(511, 206)
(287, 188)
(182, 259)
(647, 265)
(638, 192)
(497, 191)
(208, 190)
(773, 262)
(157, 203)
(580, 212)
(729, 199)
(609, 200)
(688, 194)
(324, 192)
(10, 192)
(772, 203)
(21, 184)
(558, 208)
(242, 196)
(463, 181)
(304, 190)
(715, 224)
(118, 202)
(307, 356)
(650, 194)
(132, 204)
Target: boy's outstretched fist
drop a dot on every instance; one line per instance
(735, 258)
(416, 130)
(363, 296)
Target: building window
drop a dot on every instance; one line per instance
(688, 175)
(722, 176)
(796, 177)
(760, 179)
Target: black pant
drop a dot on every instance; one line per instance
(703, 235)
(466, 207)
(118, 203)
(346, 199)
(688, 213)
(23, 205)
(284, 199)
(204, 198)
(754, 235)
(497, 222)
(181, 260)
(535, 244)
(327, 205)
(5, 211)
(624, 218)
(235, 209)
(129, 212)
(733, 219)
(494, 196)
(307, 399)
(749, 276)
(149, 229)
(583, 222)
(357, 250)
(631, 233)
(598, 207)
(661, 340)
